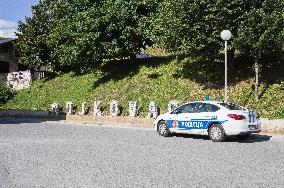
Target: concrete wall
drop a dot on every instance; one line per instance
(272, 126)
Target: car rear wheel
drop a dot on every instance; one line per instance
(216, 133)
(163, 129)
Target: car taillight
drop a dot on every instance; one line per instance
(236, 116)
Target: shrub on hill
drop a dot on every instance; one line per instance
(5, 94)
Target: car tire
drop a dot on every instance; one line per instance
(216, 133)
(163, 129)
(243, 136)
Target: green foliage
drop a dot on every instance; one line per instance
(80, 34)
(262, 32)
(194, 27)
(33, 36)
(160, 80)
(5, 94)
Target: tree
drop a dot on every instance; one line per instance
(93, 31)
(33, 36)
(262, 33)
(193, 27)
(80, 34)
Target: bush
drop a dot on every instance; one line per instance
(5, 94)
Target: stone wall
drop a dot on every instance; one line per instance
(19, 80)
(35, 76)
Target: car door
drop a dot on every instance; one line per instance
(193, 119)
(200, 116)
(179, 118)
(187, 118)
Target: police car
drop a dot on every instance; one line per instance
(215, 118)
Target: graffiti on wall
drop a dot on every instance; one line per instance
(19, 80)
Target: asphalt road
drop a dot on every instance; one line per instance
(71, 155)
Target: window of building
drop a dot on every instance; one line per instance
(4, 67)
(3, 50)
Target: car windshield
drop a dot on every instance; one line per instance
(231, 106)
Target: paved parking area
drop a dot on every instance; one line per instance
(40, 154)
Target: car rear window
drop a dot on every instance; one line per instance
(231, 106)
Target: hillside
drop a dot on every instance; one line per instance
(159, 79)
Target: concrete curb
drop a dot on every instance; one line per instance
(30, 114)
(272, 126)
(23, 113)
(112, 120)
(267, 126)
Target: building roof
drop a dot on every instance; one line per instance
(5, 40)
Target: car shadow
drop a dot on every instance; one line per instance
(193, 136)
(251, 139)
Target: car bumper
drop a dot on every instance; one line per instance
(238, 128)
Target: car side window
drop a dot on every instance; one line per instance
(188, 108)
(197, 107)
(214, 108)
(205, 107)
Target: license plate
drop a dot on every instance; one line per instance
(252, 127)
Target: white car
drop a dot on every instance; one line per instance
(217, 119)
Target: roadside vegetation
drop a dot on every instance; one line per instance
(5, 94)
(90, 47)
(157, 79)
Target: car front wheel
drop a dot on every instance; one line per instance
(163, 129)
(216, 133)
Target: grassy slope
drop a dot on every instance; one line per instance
(156, 79)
